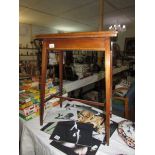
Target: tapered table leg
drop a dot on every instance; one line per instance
(108, 81)
(61, 75)
(43, 81)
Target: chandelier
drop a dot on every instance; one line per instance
(118, 27)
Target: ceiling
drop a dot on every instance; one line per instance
(75, 15)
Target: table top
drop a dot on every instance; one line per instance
(98, 34)
(33, 141)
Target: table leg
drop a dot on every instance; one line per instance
(43, 81)
(61, 75)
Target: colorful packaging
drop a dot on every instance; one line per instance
(28, 111)
(28, 117)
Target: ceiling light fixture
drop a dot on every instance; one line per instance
(118, 27)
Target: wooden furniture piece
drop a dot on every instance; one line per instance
(128, 98)
(89, 41)
(124, 99)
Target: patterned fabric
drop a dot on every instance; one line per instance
(126, 130)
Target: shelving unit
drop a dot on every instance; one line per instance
(89, 41)
(33, 49)
(28, 48)
(74, 85)
(28, 58)
(27, 52)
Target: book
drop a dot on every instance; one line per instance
(73, 132)
(61, 114)
(74, 149)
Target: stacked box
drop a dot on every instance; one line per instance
(28, 117)
(28, 108)
(29, 98)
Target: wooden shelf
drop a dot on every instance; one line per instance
(27, 57)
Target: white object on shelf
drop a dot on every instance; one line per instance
(52, 59)
(73, 85)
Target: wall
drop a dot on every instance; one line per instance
(24, 34)
(28, 31)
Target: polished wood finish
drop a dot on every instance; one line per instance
(90, 41)
(43, 80)
(60, 75)
(94, 41)
(97, 44)
(100, 34)
(126, 108)
(108, 82)
(83, 101)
